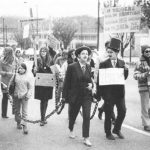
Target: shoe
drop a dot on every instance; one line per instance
(42, 123)
(100, 113)
(6, 117)
(119, 134)
(147, 128)
(110, 137)
(87, 142)
(19, 126)
(25, 130)
(71, 135)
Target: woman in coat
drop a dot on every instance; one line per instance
(7, 69)
(43, 93)
(141, 74)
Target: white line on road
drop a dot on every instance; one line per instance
(136, 130)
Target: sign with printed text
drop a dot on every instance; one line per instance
(122, 19)
(111, 76)
(45, 79)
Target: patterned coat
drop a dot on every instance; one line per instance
(141, 73)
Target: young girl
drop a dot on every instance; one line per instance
(21, 94)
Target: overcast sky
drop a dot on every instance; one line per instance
(53, 8)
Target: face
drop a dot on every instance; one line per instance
(43, 53)
(21, 70)
(73, 55)
(147, 52)
(83, 56)
(18, 53)
(111, 54)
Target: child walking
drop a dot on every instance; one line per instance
(22, 94)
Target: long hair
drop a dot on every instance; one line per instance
(70, 59)
(48, 60)
(8, 55)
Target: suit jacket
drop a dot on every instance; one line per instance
(75, 84)
(112, 92)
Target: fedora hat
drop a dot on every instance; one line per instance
(114, 44)
(80, 49)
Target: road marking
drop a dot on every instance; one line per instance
(136, 130)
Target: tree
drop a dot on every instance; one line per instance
(145, 8)
(64, 30)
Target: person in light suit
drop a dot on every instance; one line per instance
(77, 91)
(113, 94)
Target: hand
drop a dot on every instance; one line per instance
(89, 86)
(35, 69)
(126, 66)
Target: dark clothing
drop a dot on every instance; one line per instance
(43, 108)
(4, 104)
(76, 94)
(113, 95)
(43, 93)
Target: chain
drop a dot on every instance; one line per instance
(94, 111)
(58, 105)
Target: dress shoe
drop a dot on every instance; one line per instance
(42, 123)
(110, 137)
(6, 117)
(19, 126)
(147, 128)
(119, 134)
(25, 130)
(71, 135)
(100, 113)
(87, 142)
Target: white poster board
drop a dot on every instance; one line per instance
(26, 31)
(111, 76)
(45, 79)
(122, 19)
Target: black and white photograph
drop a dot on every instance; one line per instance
(75, 74)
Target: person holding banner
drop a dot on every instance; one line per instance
(77, 91)
(113, 93)
(43, 93)
(141, 73)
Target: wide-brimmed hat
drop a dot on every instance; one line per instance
(80, 49)
(114, 44)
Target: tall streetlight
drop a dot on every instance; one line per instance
(98, 25)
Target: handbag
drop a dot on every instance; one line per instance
(11, 88)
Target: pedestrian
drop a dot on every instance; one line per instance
(43, 93)
(113, 94)
(7, 69)
(101, 109)
(22, 93)
(77, 91)
(141, 73)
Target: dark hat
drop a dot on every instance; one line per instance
(144, 47)
(114, 44)
(80, 49)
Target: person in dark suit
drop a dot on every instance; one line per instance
(113, 94)
(43, 93)
(77, 91)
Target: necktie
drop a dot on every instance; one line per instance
(83, 69)
(114, 63)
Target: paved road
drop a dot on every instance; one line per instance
(54, 136)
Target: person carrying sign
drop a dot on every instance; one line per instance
(43, 93)
(113, 94)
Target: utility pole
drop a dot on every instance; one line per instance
(6, 35)
(98, 26)
(81, 32)
(3, 32)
